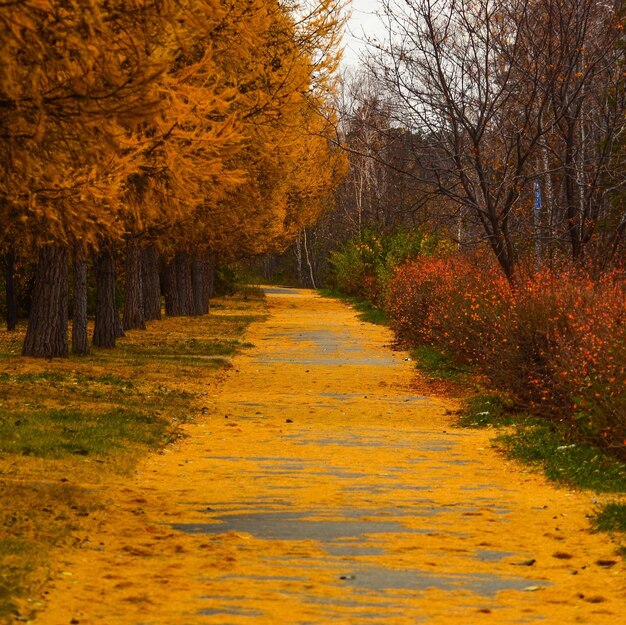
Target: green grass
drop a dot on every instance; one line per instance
(367, 311)
(33, 378)
(55, 433)
(113, 380)
(611, 518)
(579, 465)
(188, 347)
(65, 388)
(58, 377)
(205, 361)
(211, 353)
(487, 410)
(66, 423)
(544, 445)
(437, 364)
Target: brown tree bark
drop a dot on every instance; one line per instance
(151, 283)
(133, 288)
(184, 283)
(46, 335)
(119, 326)
(203, 279)
(179, 300)
(209, 277)
(172, 307)
(107, 317)
(80, 344)
(10, 290)
(200, 299)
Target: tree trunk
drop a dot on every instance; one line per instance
(208, 279)
(80, 345)
(133, 288)
(119, 326)
(200, 296)
(151, 283)
(179, 300)
(46, 335)
(308, 259)
(107, 318)
(299, 261)
(11, 293)
(572, 192)
(184, 283)
(172, 307)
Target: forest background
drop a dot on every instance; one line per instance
(483, 209)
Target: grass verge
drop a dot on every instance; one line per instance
(538, 443)
(367, 311)
(69, 426)
(544, 445)
(438, 365)
(612, 518)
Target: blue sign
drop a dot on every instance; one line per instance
(537, 195)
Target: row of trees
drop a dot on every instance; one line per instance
(378, 193)
(174, 131)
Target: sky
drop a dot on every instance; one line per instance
(363, 21)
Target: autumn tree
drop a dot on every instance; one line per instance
(184, 152)
(184, 129)
(286, 164)
(70, 74)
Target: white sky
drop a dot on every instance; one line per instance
(363, 23)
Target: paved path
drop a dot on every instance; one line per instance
(318, 488)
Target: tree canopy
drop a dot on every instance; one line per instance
(194, 126)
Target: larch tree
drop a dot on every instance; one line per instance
(289, 91)
(185, 156)
(70, 75)
(181, 128)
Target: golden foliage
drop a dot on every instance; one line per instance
(197, 123)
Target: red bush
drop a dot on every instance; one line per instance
(454, 303)
(557, 340)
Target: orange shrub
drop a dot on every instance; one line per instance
(557, 340)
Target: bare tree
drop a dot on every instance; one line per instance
(588, 105)
(453, 69)
(500, 96)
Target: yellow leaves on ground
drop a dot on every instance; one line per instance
(314, 486)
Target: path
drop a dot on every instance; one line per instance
(319, 489)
